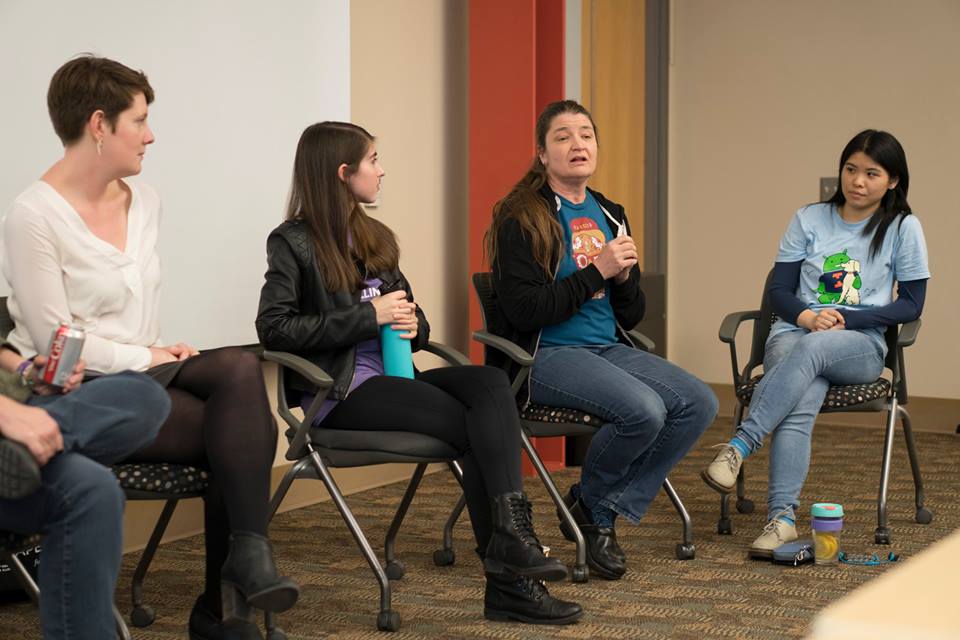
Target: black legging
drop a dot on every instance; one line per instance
(220, 420)
(471, 408)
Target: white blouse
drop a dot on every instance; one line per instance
(59, 270)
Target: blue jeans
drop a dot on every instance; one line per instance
(799, 367)
(654, 412)
(79, 506)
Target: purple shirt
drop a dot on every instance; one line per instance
(368, 363)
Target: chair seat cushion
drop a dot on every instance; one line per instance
(838, 396)
(162, 478)
(543, 421)
(376, 447)
(10, 541)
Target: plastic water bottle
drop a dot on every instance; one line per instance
(827, 523)
(397, 357)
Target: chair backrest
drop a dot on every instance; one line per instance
(483, 285)
(6, 322)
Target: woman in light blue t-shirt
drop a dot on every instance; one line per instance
(832, 290)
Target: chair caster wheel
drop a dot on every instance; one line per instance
(388, 621)
(924, 516)
(686, 551)
(580, 574)
(724, 526)
(276, 634)
(444, 557)
(395, 569)
(142, 616)
(744, 505)
(881, 536)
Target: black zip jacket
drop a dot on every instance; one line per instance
(298, 314)
(529, 298)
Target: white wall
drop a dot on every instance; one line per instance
(764, 95)
(235, 82)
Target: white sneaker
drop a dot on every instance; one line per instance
(777, 532)
(721, 474)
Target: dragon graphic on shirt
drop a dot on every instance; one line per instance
(840, 282)
(587, 241)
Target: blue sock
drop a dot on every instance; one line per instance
(740, 445)
(786, 519)
(602, 516)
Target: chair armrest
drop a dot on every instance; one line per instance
(642, 340)
(449, 354)
(908, 333)
(503, 345)
(317, 376)
(730, 324)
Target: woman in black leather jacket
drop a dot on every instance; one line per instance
(332, 281)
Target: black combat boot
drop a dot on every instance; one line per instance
(512, 597)
(514, 546)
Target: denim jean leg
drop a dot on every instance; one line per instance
(691, 407)
(110, 417)
(633, 414)
(79, 510)
(790, 451)
(793, 361)
(799, 368)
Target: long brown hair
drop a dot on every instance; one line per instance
(343, 235)
(525, 204)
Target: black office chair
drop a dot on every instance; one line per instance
(884, 394)
(541, 421)
(316, 450)
(11, 545)
(145, 481)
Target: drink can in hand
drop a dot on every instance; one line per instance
(65, 347)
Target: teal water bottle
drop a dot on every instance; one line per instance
(397, 357)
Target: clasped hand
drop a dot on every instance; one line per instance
(393, 309)
(823, 320)
(617, 258)
(172, 353)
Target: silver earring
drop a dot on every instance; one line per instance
(100, 146)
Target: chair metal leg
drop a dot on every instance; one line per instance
(143, 615)
(882, 533)
(446, 556)
(33, 590)
(394, 567)
(387, 619)
(26, 580)
(724, 523)
(123, 632)
(284, 486)
(685, 550)
(923, 515)
(581, 572)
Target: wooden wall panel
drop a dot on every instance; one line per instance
(613, 88)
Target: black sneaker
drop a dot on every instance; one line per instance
(19, 471)
(515, 598)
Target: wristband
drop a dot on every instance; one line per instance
(22, 372)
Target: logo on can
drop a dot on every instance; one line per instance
(65, 347)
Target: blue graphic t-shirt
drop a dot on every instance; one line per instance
(585, 232)
(369, 357)
(838, 271)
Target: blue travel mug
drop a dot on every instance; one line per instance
(397, 357)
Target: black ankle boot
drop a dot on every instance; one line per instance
(510, 597)
(604, 554)
(19, 471)
(205, 624)
(249, 578)
(513, 544)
